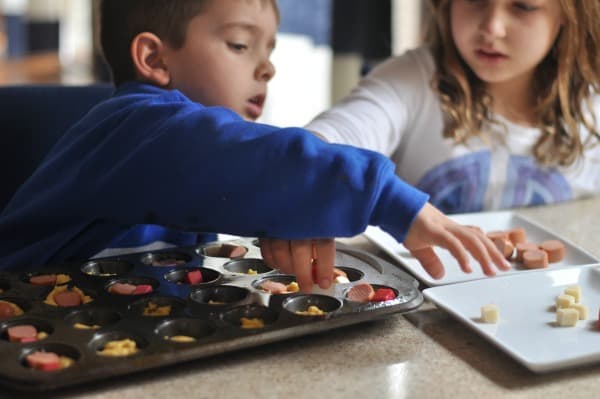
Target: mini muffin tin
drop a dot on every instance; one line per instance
(210, 312)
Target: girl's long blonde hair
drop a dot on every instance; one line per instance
(565, 82)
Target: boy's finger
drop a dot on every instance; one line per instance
(281, 255)
(325, 256)
(301, 251)
(266, 253)
(430, 262)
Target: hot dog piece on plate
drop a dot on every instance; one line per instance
(555, 250)
(361, 293)
(505, 246)
(535, 259)
(522, 247)
(517, 235)
(67, 299)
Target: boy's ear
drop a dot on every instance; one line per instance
(147, 53)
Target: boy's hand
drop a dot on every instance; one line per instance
(296, 257)
(432, 228)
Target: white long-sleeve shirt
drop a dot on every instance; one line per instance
(394, 110)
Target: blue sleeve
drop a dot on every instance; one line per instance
(181, 165)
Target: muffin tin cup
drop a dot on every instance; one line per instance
(94, 318)
(264, 315)
(167, 259)
(303, 302)
(107, 268)
(267, 298)
(194, 327)
(209, 302)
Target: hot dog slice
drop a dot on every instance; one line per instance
(517, 235)
(6, 311)
(274, 287)
(122, 289)
(535, 259)
(383, 294)
(22, 333)
(555, 250)
(142, 289)
(67, 299)
(522, 247)
(231, 251)
(339, 273)
(43, 279)
(505, 246)
(194, 277)
(361, 293)
(45, 361)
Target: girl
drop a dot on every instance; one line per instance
(499, 110)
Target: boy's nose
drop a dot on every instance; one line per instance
(265, 71)
(493, 23)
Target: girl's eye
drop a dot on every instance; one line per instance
(237, 46)
(525, 7)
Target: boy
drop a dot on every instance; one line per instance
(159, 160)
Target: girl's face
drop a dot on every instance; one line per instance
(503, 41)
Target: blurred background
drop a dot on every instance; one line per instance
(323, 47)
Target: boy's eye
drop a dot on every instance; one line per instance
(237, 46)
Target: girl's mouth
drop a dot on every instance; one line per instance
(489, 55)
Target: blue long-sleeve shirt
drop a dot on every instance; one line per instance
(149, 156)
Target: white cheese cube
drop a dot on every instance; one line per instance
(567, 317)
(575, 292)
(581, 309)
(489, 313)
(564, 301)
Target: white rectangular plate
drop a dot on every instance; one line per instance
(527, 328)
(488, 221)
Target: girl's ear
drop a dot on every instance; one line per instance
(147, 54)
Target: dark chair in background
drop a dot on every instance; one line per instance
(32, 119)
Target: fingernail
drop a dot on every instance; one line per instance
(507, 264)
(325, 283)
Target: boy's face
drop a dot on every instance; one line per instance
(225, 58)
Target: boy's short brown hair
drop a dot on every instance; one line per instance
(122, 20)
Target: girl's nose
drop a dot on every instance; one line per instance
(493, 23)
(265, 71)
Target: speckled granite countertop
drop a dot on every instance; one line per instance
(425, 354)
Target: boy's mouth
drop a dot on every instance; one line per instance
(254, 106)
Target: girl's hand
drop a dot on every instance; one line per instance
(298, 256)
